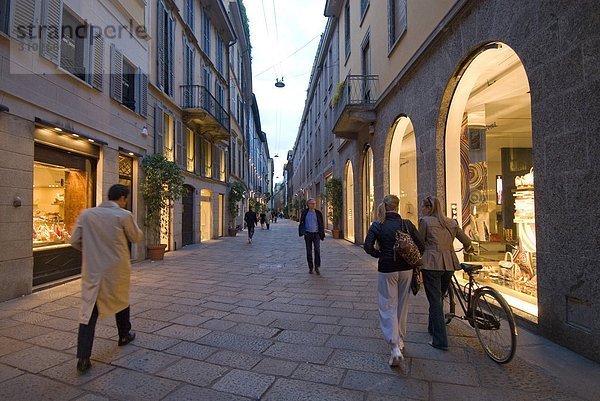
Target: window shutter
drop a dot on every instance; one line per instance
(98, 60)
(160, 46)
(184, 149)
(50, 38)
(198, 159)
(141, 101)
(116, 74)
(24, 14)
(159, 136)
(178, 143)
(171, 54)
(401, 22)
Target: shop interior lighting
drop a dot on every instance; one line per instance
(65, 131)
(130, 152)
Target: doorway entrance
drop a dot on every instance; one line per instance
(187, 217)
(205, 215)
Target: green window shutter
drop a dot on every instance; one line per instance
(159, 135)
(97, 60)
(50, 37)
(116, 74)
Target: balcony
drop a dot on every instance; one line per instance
(355, 107)
(202, 110)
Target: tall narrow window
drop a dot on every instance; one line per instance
(165, 49)
(188, 73)
(347, 28)
(189, 13)
(129, 89)
(220, 55)
(207, 157)
(190, 149)
(74, 46)
(4, 15)
(396, 20)
(206, 33)
(364, 4)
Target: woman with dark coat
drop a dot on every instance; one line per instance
(439, 263)
(394, 274)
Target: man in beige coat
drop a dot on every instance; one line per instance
(101, 233)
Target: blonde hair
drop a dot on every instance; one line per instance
(390, 204)
(436, 209)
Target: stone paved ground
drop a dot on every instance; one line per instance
(226, 320)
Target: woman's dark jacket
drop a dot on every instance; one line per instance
(385, 235)
(302, 228)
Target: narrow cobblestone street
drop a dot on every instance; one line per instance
(228, 320)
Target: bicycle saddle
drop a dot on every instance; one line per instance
(469, 268)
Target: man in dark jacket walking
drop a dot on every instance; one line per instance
(312, 228)
(250, 219)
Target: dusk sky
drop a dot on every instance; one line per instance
(279, 29)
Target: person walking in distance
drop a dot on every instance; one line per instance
(394, 274)
(268, 218)
(439, 263)
(102, 233)
(312, 229)
(250, 219)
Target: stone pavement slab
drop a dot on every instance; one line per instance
(230, 321)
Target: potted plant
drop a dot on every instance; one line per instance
(236, 193)
(161, 186)
(335, 203)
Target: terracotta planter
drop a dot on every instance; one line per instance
(156, 252)
(335, 233)
(232, 232)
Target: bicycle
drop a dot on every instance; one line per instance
(486, 310)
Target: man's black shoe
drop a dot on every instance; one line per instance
(83, 365)
(309, 271)
(317, 271)
(127, 339)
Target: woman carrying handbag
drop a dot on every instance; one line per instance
(394, 274)
(439, 263)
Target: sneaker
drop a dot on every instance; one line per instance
(396, 357)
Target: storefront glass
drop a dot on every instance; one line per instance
(403, 168)
(490, 176)
(63, 185)
(368, 191)
(349, 229)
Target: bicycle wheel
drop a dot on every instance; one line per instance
(494, 324)
(449, 305)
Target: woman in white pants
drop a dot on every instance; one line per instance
(394, 277)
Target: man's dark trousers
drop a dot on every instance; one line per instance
(313, 239)
(85, 338)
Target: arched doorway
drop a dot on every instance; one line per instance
(489, 170)
(368, 191)
(205, 215)
(349, 200)
(403, 168)
(187, 217)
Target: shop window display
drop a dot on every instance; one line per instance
(63, 187)
(490, 172)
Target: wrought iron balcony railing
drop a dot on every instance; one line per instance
(357, 93)
(198, 97)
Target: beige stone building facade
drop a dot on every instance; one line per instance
(87, 89)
